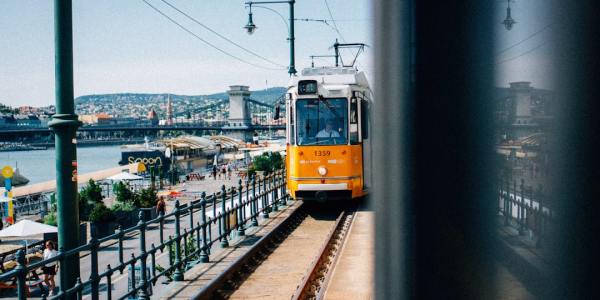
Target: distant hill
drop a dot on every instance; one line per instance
(267, 96)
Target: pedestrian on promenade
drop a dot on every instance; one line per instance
(49, 269)
(161, 206)
(214, 172)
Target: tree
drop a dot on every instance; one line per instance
(92, 192)
(101, 213)
(123, 192)
(89, 196)
(145, 198)
(268, 162)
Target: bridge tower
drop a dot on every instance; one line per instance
(239, 116)
(169, 110)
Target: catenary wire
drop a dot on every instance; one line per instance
(205, 41)
(522, 54)
(525, 39)
(220, 35)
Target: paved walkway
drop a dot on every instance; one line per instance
(353, 276)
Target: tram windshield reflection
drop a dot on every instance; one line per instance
(322, 121)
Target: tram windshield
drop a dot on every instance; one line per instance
(322, 121)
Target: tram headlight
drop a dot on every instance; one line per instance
(322, 171)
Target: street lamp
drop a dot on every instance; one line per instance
(509, 22)
(250, 28)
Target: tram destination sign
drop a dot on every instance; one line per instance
(307, 87)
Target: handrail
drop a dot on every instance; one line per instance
(245, 203)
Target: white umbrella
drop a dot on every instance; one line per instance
(26, 228)
(124, 176)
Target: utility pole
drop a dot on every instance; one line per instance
(250, 28)
(64, 124)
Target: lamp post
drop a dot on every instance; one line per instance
(64, 124)
(251, 27)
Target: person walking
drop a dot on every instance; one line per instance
(161, 206)
(49, 269)
(214, 172)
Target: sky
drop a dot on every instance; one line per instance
(524, 52)
(126, 46)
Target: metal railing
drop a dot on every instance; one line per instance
(523, 206)
(232, 211)
(32, 204)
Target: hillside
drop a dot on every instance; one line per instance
(267, 96)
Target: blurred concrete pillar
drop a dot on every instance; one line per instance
(434, 184)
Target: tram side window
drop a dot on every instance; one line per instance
(354, 121)
(322, 121)
(292, 136)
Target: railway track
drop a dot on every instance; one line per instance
(315, 282)
(293, 261)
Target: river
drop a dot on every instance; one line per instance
(39, 165)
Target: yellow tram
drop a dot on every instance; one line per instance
(327, 134)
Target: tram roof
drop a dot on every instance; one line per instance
(332, 76)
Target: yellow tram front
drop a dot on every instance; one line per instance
(326, 134)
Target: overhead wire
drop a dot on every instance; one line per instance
(334, 24)
(205, 41)
(220, 35)
(525, 39)
(333, 21)
(522, 54)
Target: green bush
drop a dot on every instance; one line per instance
(276, 161)
(92, 193)
(101, 213)
(191, 248)
(89, 196)
(262, 163)
(50, 219)
(123, 206)
(251, 171)
(145, 198)
(123, 192)
(268, 162)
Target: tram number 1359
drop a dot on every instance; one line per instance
(322, 153)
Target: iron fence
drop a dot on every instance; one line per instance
(232, 211)
(524, 207)
(32, 204)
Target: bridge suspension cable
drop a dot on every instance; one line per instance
(205, 41)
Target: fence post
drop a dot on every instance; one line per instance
(191, 211)
(274, 199)
(539, 219)
(241, 209)
(522, 209)
(203, 253)
(161, 228)
(21, 274)
(253, 203)
(284, 193)
(143, 295)
(94, 279)
(506, 200)
(178, 274)
(224, 242)
(265, 197)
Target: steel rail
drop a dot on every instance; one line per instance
(304, 290)
(214, 285)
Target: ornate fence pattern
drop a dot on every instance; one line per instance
(231, 212)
